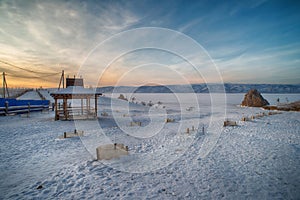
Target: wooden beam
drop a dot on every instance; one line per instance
(56, 110)
(72, 96)
(96, 108)
(87, 106)
(65, 107)
(81, 106)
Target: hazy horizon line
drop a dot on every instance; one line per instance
(294, 84)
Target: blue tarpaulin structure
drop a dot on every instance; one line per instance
(15, 102)
(8, 106)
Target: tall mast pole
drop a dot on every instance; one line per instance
(3, 81)
(5, 88)
(63, 77)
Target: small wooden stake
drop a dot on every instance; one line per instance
(28, 114)
(187, 130)
(6, 107)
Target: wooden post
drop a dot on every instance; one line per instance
(203, 130)
(6, 107)
(65, 135)
(3, 81)
(28, 114)
(65, 108)
(187, 130)
(96, 108)
(89, 100)
(81, 106)
(86, 105)
(56, 110)
(5, 87)
(63, 78)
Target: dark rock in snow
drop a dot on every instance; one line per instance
(294, 106)
(39, 187)
(254, 99)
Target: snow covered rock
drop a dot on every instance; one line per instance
(254, 99)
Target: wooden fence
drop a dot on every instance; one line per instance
(13, 106)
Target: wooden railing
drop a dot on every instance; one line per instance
(76, 112)
(13, 106)
(7, 110)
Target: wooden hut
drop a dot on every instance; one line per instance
(75, 91)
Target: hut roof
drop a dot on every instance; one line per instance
(75, 91)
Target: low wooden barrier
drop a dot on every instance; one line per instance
(13, 106)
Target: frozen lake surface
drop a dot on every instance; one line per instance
(257, 159)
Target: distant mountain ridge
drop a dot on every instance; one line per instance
(204, 88)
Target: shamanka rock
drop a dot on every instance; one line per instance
(254, 99)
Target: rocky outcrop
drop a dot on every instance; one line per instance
(295, 106)
(254, 99)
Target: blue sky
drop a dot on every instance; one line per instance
(254, 41)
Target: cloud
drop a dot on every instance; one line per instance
(240, 37)
(270, 65)
(44, 34)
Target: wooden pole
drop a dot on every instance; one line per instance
(87, 106)
(56, 109)
(6, 107)
(28, 114)
(5, 88)
(81, 106)
(65, 108)
(63, 78)
(96, 108)
(3, 84)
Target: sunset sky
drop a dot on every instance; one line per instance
(254, 41)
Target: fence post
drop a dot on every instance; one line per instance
(6, 107)
(28, 109)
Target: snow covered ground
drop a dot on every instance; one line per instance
(257, 159)
(33, 95)
(46, 94)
